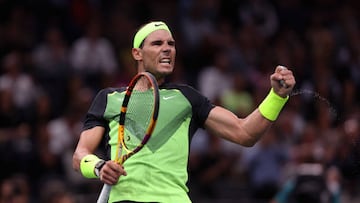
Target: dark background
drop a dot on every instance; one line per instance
(47, 81)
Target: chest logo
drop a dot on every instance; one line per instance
(169, 97)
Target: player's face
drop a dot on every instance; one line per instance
(158, 53)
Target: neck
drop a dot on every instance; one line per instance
(159, 78)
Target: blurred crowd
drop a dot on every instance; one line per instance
(56, 54)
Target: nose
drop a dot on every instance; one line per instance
(166, 48)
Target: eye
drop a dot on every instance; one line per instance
(157, 43)
(171, 43)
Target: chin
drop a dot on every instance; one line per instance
(166, 71)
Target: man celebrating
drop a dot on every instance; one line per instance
(159, 172)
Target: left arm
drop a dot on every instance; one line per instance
(247, 131)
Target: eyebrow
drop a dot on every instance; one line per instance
(171, 42)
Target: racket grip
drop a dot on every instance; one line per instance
(104, 194)
(282, 82)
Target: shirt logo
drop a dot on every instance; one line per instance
(168, 97)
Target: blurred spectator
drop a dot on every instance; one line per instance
(15, 189)
(55, 191)
(17, 27)
(312, 179)
(46, 163)
(15, 140)
(197, 30)
(196, 22)
(348, 155)
(209, 166)
(261, 14)
(238, 98)
(311, 184)
(93, 57)
(51, 63)
(247, 47)
(63, 131)
(216, 78)
(18, 82)
(43, 109)
(265, 162)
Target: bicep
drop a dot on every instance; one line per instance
(88, 143)
(225, 124)
(244, 131)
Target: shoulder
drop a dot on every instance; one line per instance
(100, 101)
(184, 88)
(104, 93)
(111, 90)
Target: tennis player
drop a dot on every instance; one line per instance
(158, 173)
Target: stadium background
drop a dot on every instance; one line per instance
(56, 54)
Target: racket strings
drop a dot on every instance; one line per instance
(139, 113)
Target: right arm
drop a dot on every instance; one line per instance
(88, 143)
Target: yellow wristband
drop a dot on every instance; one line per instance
(87, 165)
(272, 105)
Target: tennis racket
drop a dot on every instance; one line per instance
(137, 120)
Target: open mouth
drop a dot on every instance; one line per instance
(165, 61)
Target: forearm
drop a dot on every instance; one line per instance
(245, 131)
(254, 126)
(89, 140)
(259, 121)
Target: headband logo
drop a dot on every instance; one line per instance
(146, 30)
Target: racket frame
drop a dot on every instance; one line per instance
(105, 192)
(121, 131)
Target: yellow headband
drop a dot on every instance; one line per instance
(146, 30)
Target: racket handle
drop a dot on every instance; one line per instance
(282, 82)
(104, 194)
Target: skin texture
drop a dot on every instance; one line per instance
(157, 55)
